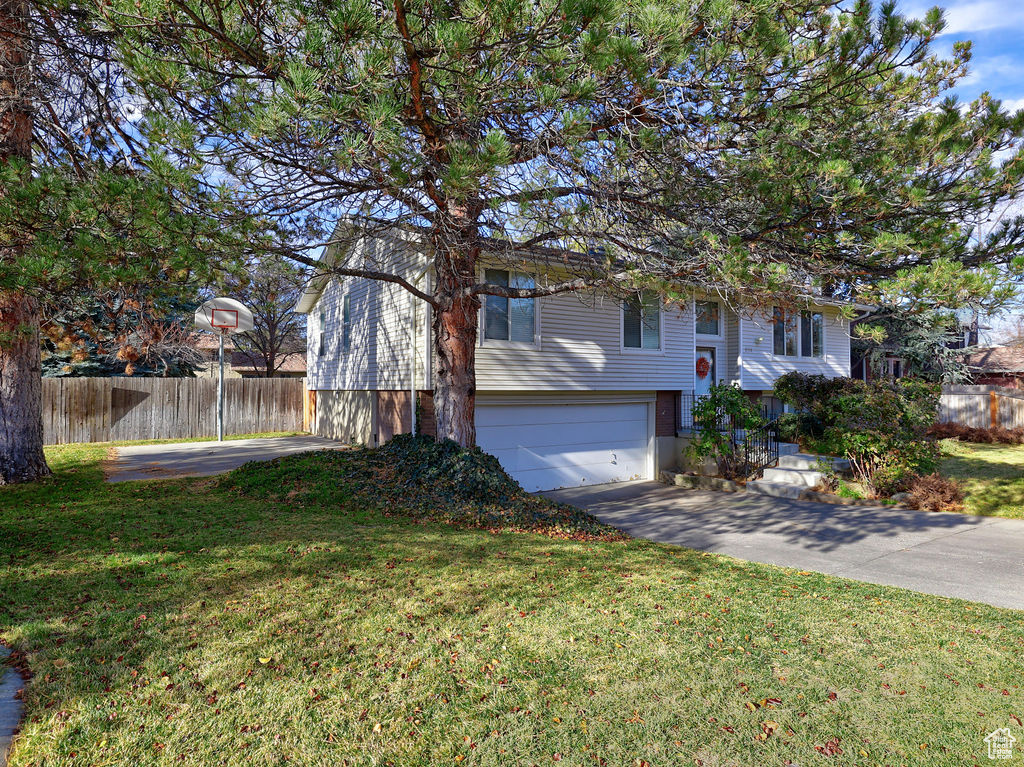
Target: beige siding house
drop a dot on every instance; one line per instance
(572, 389)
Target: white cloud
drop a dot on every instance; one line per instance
(993, 71)
(975, 15)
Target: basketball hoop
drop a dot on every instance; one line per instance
(223, 316)
(224, 320)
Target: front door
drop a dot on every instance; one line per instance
(705, 373)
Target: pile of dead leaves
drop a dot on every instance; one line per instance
(419, 478)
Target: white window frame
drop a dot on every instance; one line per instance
(721, 319)
(346, 323)
(661, 331)
(482, 339)
(890, 362)
(799, 335)
(321, 344)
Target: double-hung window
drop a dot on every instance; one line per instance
(346, 324)
(509, 319)
(798, 334)
(709, 318)
(812, 334)
(641, 323)
(321, 344)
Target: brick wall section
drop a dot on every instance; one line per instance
(393, 416)
(427, 423)
(666, 414)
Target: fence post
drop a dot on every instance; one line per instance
(993, 408)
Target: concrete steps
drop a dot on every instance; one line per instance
(794, 473)
(799, 477)
(807, 461)
(775, 489)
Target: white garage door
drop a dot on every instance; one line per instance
(545, 447)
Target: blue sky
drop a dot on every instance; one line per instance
(996, 28)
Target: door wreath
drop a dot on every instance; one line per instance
(703, 367)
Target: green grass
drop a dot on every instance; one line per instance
(181, 622)
(992, 476)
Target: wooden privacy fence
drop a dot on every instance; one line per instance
(110, 409)
(982, 407)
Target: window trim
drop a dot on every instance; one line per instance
(889, 363)
(721, 319)
(483, 340)
(321, 347)
(799, 335)
(346, 323)
(639, 349)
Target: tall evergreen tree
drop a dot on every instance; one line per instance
(616, 144)
(82, 211)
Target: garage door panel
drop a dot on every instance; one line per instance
(543, 415)
(555, 479)
(545, 447)
(549, 435)
(557, 456)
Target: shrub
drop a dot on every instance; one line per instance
(933, 492)
(716, 418)
(417, 478)
(998, 435)
(880, 426)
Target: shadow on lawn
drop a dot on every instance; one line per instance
(90, 566)
(699, 519)
(1002, 491)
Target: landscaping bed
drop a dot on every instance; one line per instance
(417, 478)
(205, 622)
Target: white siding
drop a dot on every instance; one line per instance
(761, 367)
(580, 348)
(579, 340)
(397, 340)
(335, 369)
(381, 343)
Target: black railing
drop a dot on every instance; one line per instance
(687, 422)
(754, 449)
(760, 448)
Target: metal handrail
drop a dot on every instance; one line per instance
(760, 448)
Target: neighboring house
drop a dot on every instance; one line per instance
(239, 364)
(893, 361)
(998, 366)
(572, 389)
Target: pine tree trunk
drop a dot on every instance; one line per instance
(21, 391)
(21, 386)
(455, 332)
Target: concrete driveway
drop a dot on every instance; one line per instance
(954, 555)
(198, 459)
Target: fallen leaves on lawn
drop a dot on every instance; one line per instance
(417, 478)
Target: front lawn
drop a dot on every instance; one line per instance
(197, 622)
(992, 476)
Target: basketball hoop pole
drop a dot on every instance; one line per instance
(220, 391)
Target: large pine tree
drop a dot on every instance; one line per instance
(764, 145)
(83, 210)
(757, 143)
(21, 420)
